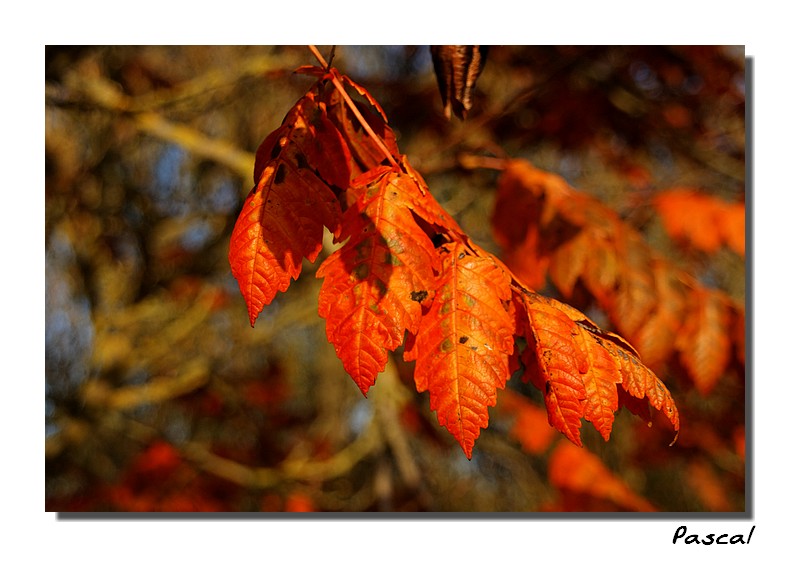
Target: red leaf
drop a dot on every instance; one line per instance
(365, 151)
(367, 95)
(375, 283)
(282, 219)
(308, 127)
(464, 342)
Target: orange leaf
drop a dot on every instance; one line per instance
(655, 338)
(567, 263)
(580, 472)
(688, 216)
(365, 151)
(582, 368)
(707, 486)
(633, 377)
(732, 226)
(640, 382)
(635, 297)
(560, 362)
(429, 210)
(530, 426)
(375, 283)
(367, 95)
(282, 219)
(320, 144)
(703, 221)
(578, 240)
(298, 501)
(464, 343)
(704, 342)
(600, 382)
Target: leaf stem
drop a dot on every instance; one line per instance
(340, 87)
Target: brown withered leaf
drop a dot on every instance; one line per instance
(457, 69)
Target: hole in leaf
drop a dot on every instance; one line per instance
(419, 296)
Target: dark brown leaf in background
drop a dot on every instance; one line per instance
(457, 69)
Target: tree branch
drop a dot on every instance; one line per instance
(106, 95)
(296, 470)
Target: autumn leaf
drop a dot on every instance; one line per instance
(636, 296)
(641, 383)
(705, 483)
(582, 367)
(581, 245)
(559, 363)
(282, 219)
(375, 284)
(457, 69)
(429, 212)
(655, 337)
(701, 220)
(600, 382)
(530, 424)
(299, 501)
(586, 483)
(308, 128)
(365, 151)
(703, 343)
(464, 342)
(633, 378)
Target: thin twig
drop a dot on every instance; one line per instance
(330, 58)
(156, 390)
(211, 82)
(390, 397)
(468, 161)
(337, 465)
(217, 150)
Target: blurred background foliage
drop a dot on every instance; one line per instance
(161, 397)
